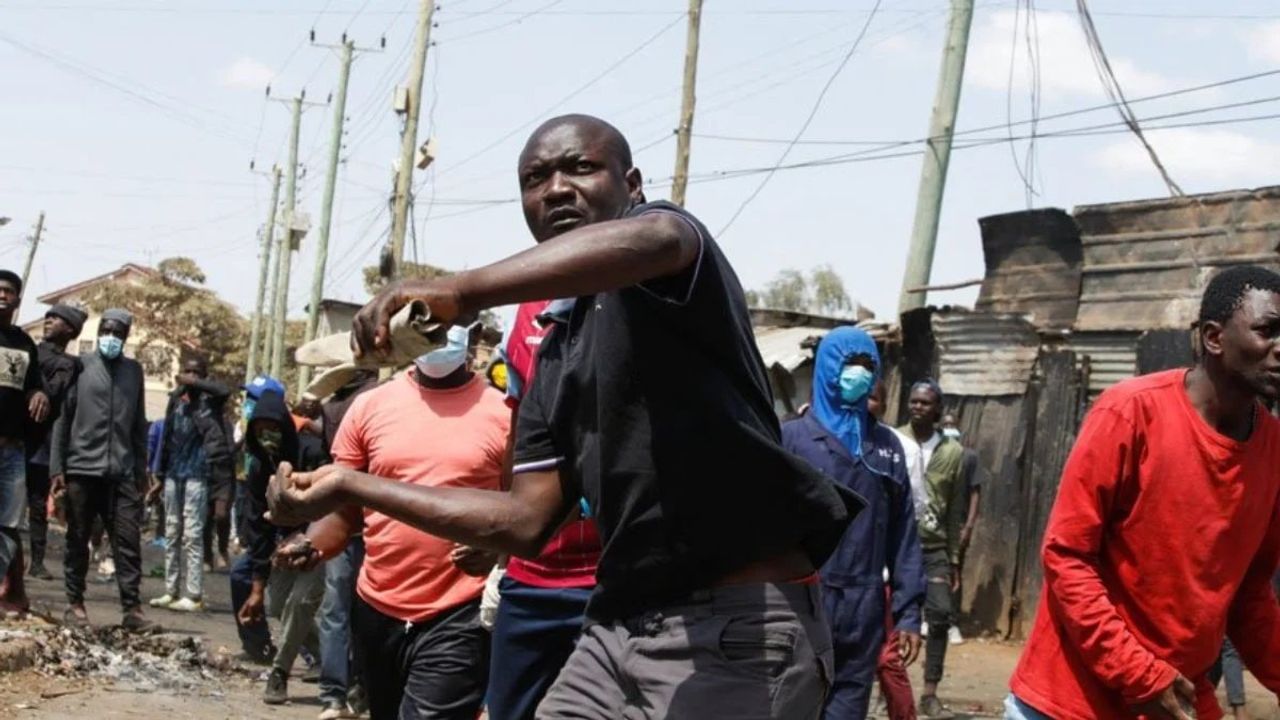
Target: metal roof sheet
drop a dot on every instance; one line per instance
(1113, 356)
(782, 345)
(984, 354)
(1032, 266)
(1146, 263)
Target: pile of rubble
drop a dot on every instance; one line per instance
(144, 663)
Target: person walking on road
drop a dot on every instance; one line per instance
(62, 325)
(935, 465)
(650, 402)
(23, 407)
(1165, 533)
(839, 436)
(195, 453)
(98, 457)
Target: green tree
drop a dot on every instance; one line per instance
(820, 293)
(176, 316)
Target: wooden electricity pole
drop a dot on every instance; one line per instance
(685, 130)
(409, 137)
(257, 351)
(31, 254)
(937, 155)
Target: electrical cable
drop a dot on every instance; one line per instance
(813, 112)
(1112, 85)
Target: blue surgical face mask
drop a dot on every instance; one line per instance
(855, 383)
(246, 410)
(445, 361)
(953, 433)
(110, 346)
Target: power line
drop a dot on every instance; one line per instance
(1113, 128)
(1001, 126)
(1112, 85)
(581, 89)
(813, 112)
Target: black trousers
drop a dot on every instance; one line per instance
(118, 503)
(433, 670)
(38, 509)
(938, 612)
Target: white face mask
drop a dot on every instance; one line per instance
(952, 433)
(445, 361)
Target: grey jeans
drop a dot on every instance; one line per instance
(294, 597)
(186, 505)
(742, 652)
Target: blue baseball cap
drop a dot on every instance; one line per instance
(263, 383)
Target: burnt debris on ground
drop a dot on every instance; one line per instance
(130, 661)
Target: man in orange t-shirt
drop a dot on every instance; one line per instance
(1166, 530)
(416, 616)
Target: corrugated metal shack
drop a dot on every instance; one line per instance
(1070, 304)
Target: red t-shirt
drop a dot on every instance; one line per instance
(435, 438)
(1165, 534)
(570, 557)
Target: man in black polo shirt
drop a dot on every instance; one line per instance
(651, 404)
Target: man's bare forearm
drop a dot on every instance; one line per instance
(595, 258)
(330, 534)
(491, 520)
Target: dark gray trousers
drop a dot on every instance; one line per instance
(938, 612)
(743, 652)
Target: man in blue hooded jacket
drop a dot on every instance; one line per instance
(838, 436)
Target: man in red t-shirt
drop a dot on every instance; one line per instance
(1166, 530)
(543, 600)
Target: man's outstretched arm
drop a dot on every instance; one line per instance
(516, 522)
(594, 258)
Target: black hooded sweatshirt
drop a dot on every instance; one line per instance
(305, 452)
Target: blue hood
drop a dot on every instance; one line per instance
(846, 422)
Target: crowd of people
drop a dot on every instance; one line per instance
(614, 523)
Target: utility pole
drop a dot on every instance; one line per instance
(256, 349)
(31, 254)
(937, 154)
(409, 138)
(685, 131)
(346, 54)
(285, 246)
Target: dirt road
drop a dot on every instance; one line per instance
(975, 684)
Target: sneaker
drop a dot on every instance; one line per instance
(357, 700)
(135, 621)
(107, 568)
(164, 601)
(187, 605)
(335, 709)
(931, 707)
(277, 690)
(954, 637)
(924, 629)
(39, 571)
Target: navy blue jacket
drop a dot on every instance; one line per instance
(883, 535)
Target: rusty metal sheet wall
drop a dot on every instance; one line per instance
(1055, 397)
(1033, 263)
(996, 428)
(1146, 263)
(1112, 357)
(984, 354)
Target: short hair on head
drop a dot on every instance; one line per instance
(13, 278)
(613, 136)
(199, 361)
(1226, 291)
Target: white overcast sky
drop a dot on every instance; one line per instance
(132, 123)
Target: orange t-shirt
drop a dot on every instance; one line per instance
(437, 438)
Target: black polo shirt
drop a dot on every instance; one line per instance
(654, 404)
